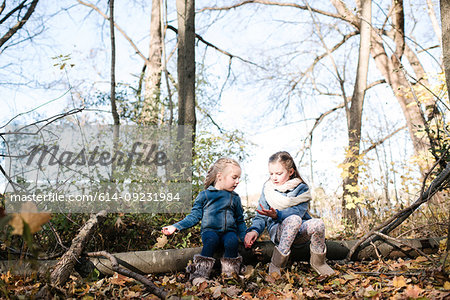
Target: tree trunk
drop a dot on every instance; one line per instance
(152, 101)
(66, 264)
(113, 64)
(173, 260)
(392, 71)
(351, 163)
(186, 64)
(445, 23)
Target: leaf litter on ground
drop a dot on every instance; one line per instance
(388, 279)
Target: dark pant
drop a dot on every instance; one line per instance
(212, 240)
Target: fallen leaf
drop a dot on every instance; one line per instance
(310, 293)
(272, 297)
(232, 291)
(119, 279)
(161, 241)
(217, 291)
(350, 276)
(248, 271)
(198, 280)
(132, 294)
(399, 282)
(30, 215)
(202, 285)
(447, 285)
(421, 259)
(247, 295)
(413, 291)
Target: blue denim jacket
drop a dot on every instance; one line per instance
(260, 222)
(219, 210)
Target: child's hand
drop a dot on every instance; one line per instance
(271, 212)
(169, 230)
(250, 238)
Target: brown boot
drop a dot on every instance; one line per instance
(279, 261)
(231, 266)
(201, 267)
(318, 263)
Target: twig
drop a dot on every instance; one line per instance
(161, 293)
(386, 237)
(377, 252)
(118, 28)
(389, 273)
(201, 39)
(274, 3)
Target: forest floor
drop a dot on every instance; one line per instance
(419, 278)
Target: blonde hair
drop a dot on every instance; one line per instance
(284, 158)
(218, 166)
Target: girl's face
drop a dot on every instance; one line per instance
(278, 173)
(228, 179)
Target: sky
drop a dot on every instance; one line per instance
(247, 103)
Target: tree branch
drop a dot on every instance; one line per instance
(19, 24)
(345, 38)
(201, 39)
(18, 7)
(379, 142)
(273, 3)
(118, 28)
(399, 242)
(436, 185)
(151, 287)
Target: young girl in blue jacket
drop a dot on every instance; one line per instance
(220, 210)
(284, 211)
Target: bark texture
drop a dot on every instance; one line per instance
(173, 260)
(186, 64)
(151, 106)
(66, 264)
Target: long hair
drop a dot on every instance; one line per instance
(218, 166)
(284, 158)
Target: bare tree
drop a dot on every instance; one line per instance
(186, 64)
(113, 64)
(354, 117)
(390, 51)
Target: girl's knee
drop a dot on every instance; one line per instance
(210, 238)
(294, 220)
(318, 225)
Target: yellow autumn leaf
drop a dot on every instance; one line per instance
(31, 216)
(447, 285)
(352, 188)
(421, 259)
(399, 281)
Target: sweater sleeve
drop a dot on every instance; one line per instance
(196, 213)
(260, 221)
(239, 217)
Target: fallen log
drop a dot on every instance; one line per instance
(66, 264)
(175, 260)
